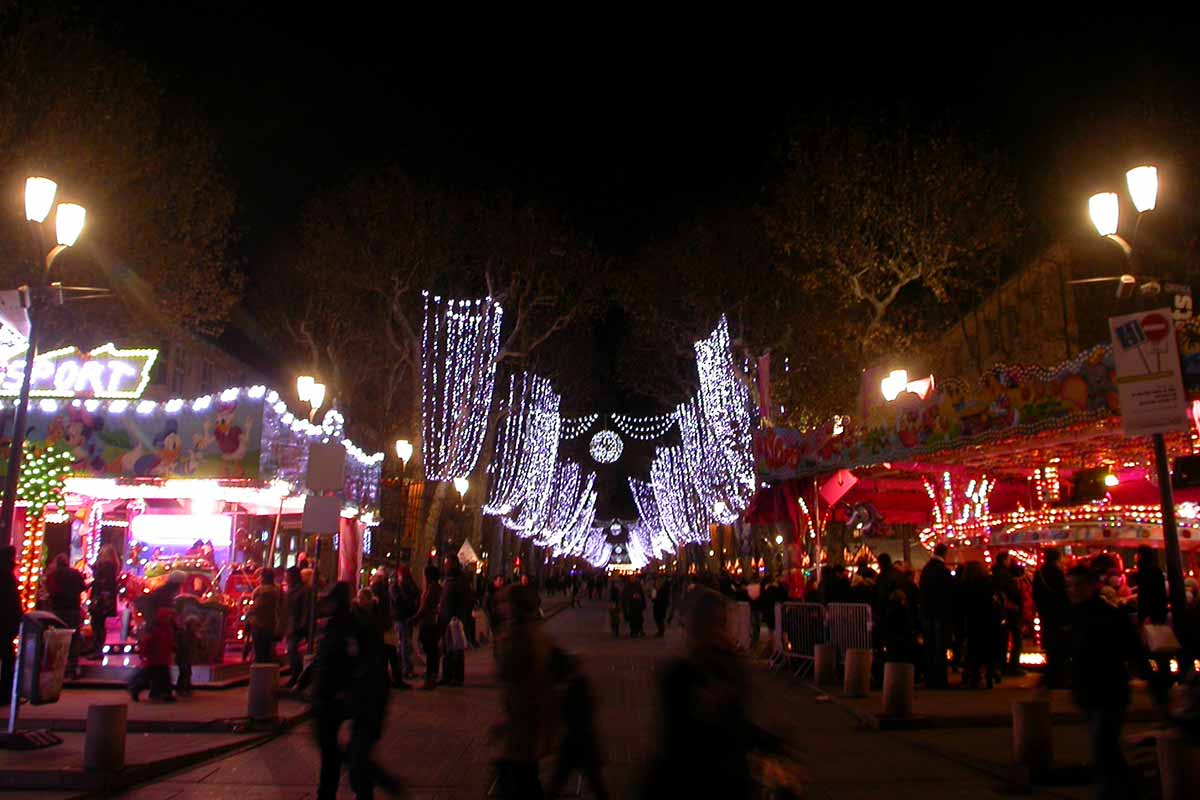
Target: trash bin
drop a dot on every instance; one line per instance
(43, 650)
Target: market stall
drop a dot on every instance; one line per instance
(199, 492)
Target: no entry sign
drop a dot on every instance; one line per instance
(1149, 376)
(1156, 325)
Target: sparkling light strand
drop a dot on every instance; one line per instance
(644, 429)
(460, 341)
(526, 444)
(574, 427)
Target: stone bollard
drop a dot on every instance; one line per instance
(824, 669)
(104, 740)
(263, 699)
(898, 679)
(1178, 765)
(1032, 736)
(858, 673)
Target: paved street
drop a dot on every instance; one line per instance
(437, 742)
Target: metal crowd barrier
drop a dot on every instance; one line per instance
(799, 628)
(849, 627)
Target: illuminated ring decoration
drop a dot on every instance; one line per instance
(606, 447)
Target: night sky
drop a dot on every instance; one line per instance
(628, 127)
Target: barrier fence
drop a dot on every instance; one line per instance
(800, 627)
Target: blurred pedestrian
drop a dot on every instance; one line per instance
(10, 616)
(580, 746)
(187, 645)
(937, 614)
(156, 645)
(614, 609)
(299, 616)
(454, 608)
(1053, 608)
(1103, 644)
(103, 598)
(65, 584)
(1010, 599)
(706, 738)
(633, 600)
(263, 617)
(406, 599)
(981, 616)
(662, 601)
(526, 701)
(426, 622)
(387, 627)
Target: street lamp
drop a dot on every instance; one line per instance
(1104, 210)
(461, 485)
(69, 219)
(311, 392)
(404, 451)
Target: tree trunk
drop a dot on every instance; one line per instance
(428, 533)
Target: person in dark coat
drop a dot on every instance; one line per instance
(10, 616)
(456, 603)
(383, 610)
(662, 600)
(1053, 608)
(65, 584)
(406, 599)
(426, 623)
(633, 601)
(981, 625)
(614, 609)
(1103, 645)
(580, 747)
(1152, 610)
(103, 601)
(937, 614)
(299, 613)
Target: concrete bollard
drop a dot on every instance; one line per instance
(1032, 736)
(104, 739)
(1178, 765)
(824, 669)
(898, 680)
(263, 699)
(858, 673)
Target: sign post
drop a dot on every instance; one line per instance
(1153, 403)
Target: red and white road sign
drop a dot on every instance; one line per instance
(1156, 326)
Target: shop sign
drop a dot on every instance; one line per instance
(1148, 373)
(107, 372)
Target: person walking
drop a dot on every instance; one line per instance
(1010, 598)
(1103, 644)
(980, 623)
(1152, 610)
(10, 616)
(263, 617)
(662, 600)
(1053, 608)
(156, 645)
(103, 598)
(937, 613)
(455, 604)
(614, 609)
(526, 702)
(65, 584)
(387, 628)
(580, 747)
(299, 614)
(426, 623)
(634, 601)
(406, 599)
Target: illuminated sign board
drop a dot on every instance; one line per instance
(108, 372)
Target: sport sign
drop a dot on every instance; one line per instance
(1149, 376)
(107, 372)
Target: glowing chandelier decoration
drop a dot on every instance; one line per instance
(574, 427)
(460, 340)
(526, 444)
(606, 447)
(644, 429)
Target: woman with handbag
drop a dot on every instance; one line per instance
(103, 602)
(426, 623)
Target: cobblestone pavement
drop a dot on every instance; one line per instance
(437, 742)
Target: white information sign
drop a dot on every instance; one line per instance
(1149, 379)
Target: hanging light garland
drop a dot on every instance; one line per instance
(644, 429)
(728, 412)
(683, 515)
(44, 471)
(526, 444)
(574, 427)
(459, 344)
(606, 447)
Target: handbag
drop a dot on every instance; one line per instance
(1160, 639)
(456, 636)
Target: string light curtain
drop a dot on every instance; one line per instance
(681, 511)
(526, 444)
(644, 429)
(459, 344)
(728, 414)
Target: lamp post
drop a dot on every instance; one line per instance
(311, 392)
(1104, 209)
(68, 224)
(404, 451)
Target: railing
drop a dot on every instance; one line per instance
(800, 627)
(849, 627)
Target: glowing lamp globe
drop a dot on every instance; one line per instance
(1104, 209)
(1143, 187)
(68, 223)
(39, 198)
(606, 447)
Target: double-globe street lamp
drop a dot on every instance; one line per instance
(1105, 211)
(68, 224)
(404, 451)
